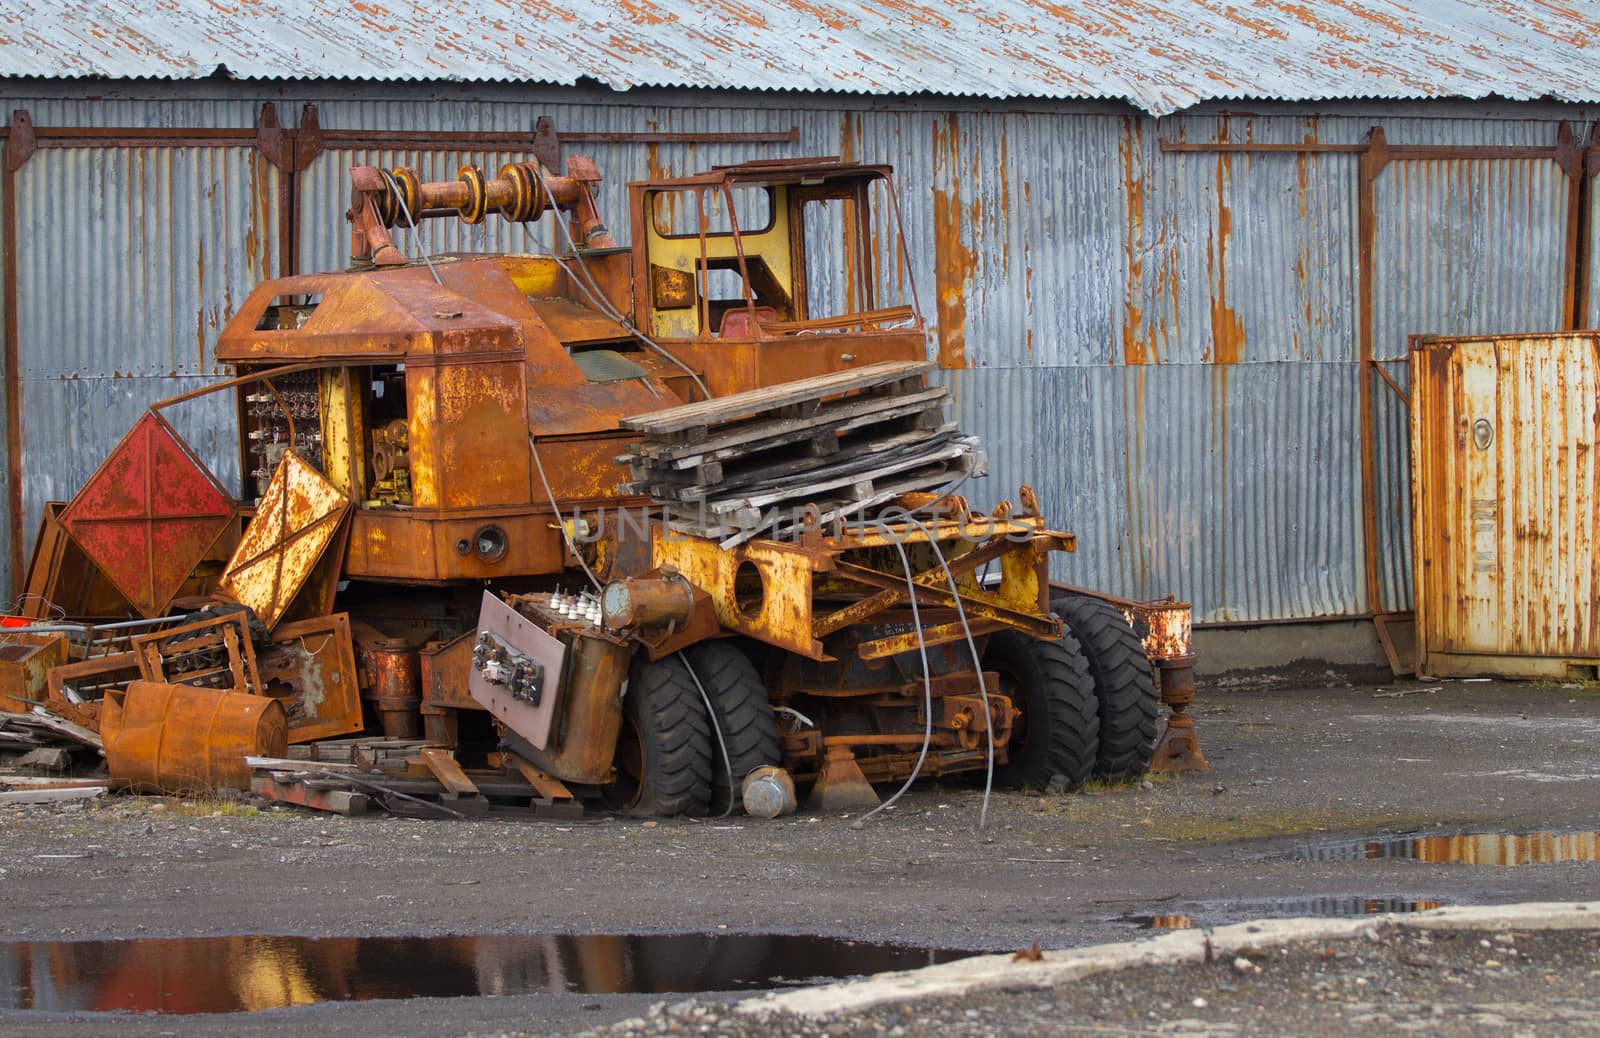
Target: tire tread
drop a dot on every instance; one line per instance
(1124, 685)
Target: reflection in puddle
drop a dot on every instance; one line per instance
(1217, 913)
(1465, 848)
(1161, 922)
(240, 974)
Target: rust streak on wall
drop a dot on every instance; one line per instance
(1004, 212)
(1227, 330)
(1134, 350)
(953, 261)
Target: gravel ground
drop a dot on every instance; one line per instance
(1291, 767)
(1445, 983)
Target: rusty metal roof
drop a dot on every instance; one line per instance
(1159, 55)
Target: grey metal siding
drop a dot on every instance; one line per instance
(1591, 319)
(1461, 246)
(129, 260)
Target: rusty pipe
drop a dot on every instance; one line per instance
(637, 602)
(523, 191)
(908, 739)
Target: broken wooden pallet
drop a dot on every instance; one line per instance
(855, 456)
(734, 529)
(762, 463)
(702, 414)
(44, 728)
(814, 423)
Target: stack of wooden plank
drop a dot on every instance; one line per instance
(753, 463)
(40, 743)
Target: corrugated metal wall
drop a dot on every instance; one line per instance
(1461, 247)
(1167, 345)
(1592, 250)
(128, 262)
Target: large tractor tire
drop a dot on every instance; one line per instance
(1058, 735)
(742, 713)
(1124, 685)
(664, 759)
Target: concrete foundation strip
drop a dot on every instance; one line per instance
(989, 972)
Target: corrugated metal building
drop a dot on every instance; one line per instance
(1174, 249)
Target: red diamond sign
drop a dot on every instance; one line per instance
(149, 515)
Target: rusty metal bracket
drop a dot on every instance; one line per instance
(546, 145)
(1405, 398)
(1569, 153)
(1376, 155)
(20, 140)
(308, 142)
(272, 140)
(289, 151)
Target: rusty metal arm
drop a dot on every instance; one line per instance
(939, 634)
(981, 606)
(856, 612)
(238, 380)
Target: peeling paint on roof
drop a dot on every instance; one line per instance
(1159, 55)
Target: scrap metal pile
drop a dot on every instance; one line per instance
(670, 528)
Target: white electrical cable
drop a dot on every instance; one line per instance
(561, 523)
(797, 715)
(592, 291)
(722, 743)
(927, 680)
(977, 663)
(394, 189)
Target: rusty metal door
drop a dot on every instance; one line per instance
(1504, 437)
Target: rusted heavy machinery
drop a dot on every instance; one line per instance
(635, 522)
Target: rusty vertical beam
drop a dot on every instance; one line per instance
(1569, 156)
(1588, 169)
(1373, 161)
(290, 152)
(307, 145)
(19, 147)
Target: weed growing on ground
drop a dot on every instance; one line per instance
(215, 807)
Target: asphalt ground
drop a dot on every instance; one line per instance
(1298, 773)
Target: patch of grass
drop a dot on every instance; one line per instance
(1261, 825)
(1570, 689)
(215, 807)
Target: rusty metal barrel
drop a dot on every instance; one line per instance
(184, 739)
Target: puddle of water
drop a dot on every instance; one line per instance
(244, 974)
(1160, 922)
(1504, 849)
(1215, 913)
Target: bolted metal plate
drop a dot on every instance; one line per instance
(149, 515)
(531, 722)
(295, 521)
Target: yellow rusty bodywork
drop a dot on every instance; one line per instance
(295, 522)
(793, 594)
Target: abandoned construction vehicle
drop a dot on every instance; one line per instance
(670, 528)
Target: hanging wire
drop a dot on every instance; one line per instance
(927, 680)
(591, 291)
(406, 211)
(561, 523)
(716, 726)
(977, 664)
